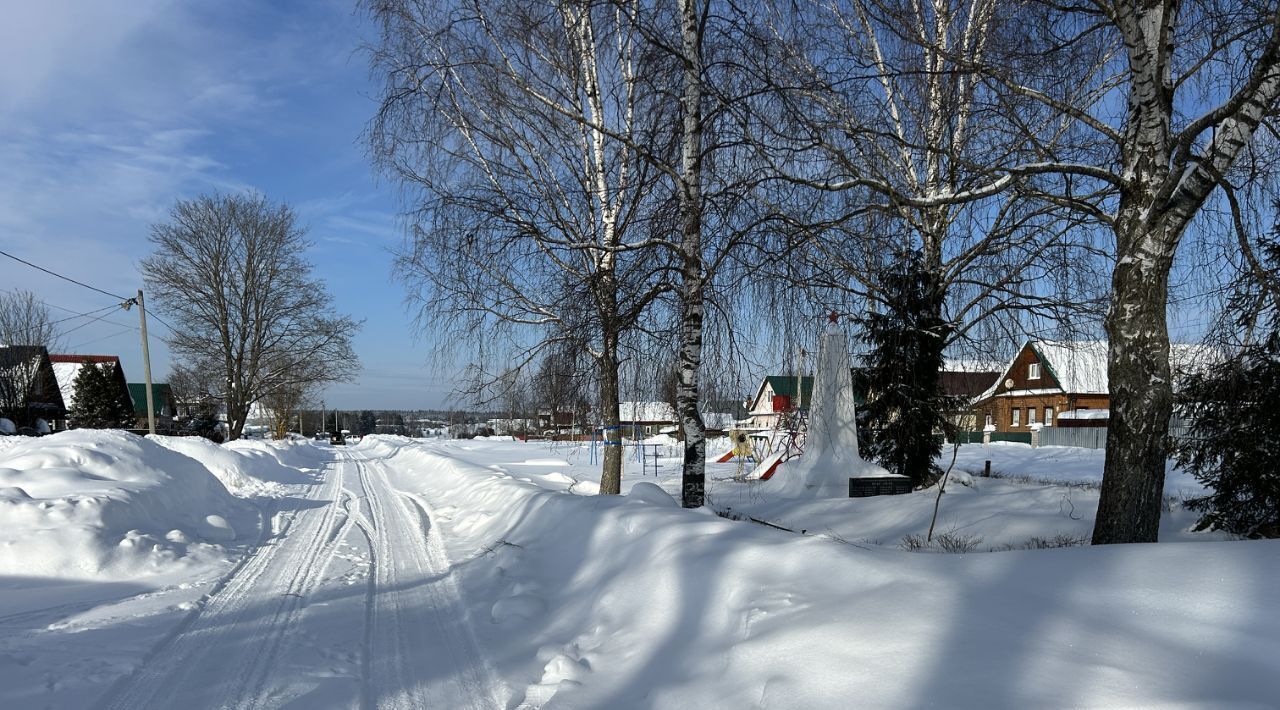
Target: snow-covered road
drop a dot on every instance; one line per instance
(348, 604)
(403, 573)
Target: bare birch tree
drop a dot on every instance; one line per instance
(515, 129)
(879, 105)
(1131, 114)
(718, 213)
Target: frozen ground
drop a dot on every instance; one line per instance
(483, 574)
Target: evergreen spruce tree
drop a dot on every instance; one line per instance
(1232, 440)
(97, 403)
(906, 403)
(1233, 422)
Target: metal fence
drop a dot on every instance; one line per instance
(976, 437)
(1092, 437)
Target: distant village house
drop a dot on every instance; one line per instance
(1062, 384)
(66, 367)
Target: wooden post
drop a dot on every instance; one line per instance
(146, 365)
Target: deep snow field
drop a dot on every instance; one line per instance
(110, 545)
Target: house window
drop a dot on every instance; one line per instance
(1048, 416)
(1017, 417)
(1033, 371)
(988, 422)
(1031, 416)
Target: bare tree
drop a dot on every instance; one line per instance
(561, 385)
(282, 406)
(716, 213)
(516, 131)
(693, 269)
(195, 388)
(230, 271)
(1171, 161)
(25, 320)
(25, 328)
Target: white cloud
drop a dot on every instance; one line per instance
(111, 111)
(47, 48)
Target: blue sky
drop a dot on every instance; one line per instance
(110, 111)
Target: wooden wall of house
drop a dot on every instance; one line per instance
(1020, 374)
(1001, 408)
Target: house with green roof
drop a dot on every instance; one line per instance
(778, 395)
(162, 399)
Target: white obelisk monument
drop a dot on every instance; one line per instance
(831, 446)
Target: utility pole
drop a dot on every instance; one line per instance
(146, 365)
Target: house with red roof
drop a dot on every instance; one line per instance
(66, 367)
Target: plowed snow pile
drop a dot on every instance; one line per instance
(106, 504)
(247, 468)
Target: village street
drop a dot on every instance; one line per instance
(348, 604)
(489, 574)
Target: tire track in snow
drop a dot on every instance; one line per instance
(237, 635)
(420, 653)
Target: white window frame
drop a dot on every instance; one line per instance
(988, 421)
(1033, 371)
(1016, 417)
(1031, 416)
(1048, 416)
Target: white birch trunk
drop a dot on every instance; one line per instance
(693, 485)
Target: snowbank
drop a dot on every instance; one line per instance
(106, 504)
(249, 468)
(302, 454)
(594, 602)
(1059, 464)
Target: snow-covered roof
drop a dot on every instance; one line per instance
(1024, 393)
(66, 373)
(960, 364)
(66, 367)
(718, 420)
(1080, 366)
(646, 412)
(1086, 414)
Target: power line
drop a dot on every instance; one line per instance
(38, 326)
(73, 348)
(76, 315)
(70, 310)
(64, 278)
(82, 325)
(151, 314)
(82, 315)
